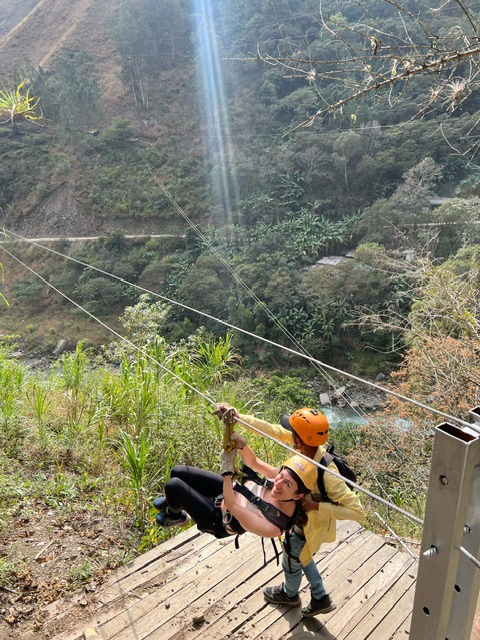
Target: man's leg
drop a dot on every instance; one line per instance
(287, 593)
(312, 574)
(320, 601)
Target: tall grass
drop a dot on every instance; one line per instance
(12, 427)
(136, 450)
(39, 400)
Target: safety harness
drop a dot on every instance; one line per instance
(269, 511)
(278, 518)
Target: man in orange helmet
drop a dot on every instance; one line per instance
(307, 430)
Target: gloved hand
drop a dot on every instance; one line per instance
(227, 462)
(238, 440)
(221, 408)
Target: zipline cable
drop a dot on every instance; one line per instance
(122, 280)
(329, 379)
(309, 358)
(321, 370)
(469, 556)
(375, 497)
(397, 538)
(388, 504)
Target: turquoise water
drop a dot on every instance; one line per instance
(339, 415)
(342, 415)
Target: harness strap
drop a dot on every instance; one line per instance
(271, 513)
(255, 477)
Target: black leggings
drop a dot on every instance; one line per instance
(195, 490)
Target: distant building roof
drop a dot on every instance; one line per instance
(437, 202)
(331, 260)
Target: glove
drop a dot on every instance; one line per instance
(221, 408)
(238, 441)
(227, 462)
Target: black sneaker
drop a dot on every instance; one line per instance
(324, 605)
(276, 595)
(160, 503)
(168, 518)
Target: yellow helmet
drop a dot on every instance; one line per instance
(304, 471)
(310, 425)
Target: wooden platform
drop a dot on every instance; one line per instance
(197, 587)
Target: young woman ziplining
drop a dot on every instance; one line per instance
(222, 505)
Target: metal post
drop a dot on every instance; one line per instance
(448, 583)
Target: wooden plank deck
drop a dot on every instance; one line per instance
(194, 587)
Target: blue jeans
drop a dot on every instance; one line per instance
(292, 569)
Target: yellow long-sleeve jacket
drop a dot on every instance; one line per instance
(322, 524)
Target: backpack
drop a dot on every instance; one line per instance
(343, 469)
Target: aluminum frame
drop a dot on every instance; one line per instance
(448, 582)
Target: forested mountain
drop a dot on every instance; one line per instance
(159, 116)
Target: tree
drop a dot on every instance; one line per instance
(418, 183)
(387, 221)
(100, 294)
(458, 226)
(150, 35)
(442, 331)
(356, 55)
(347, 150)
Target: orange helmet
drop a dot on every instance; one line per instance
(310, 425)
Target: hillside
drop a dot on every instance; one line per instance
(71, 31)
(13, 13)
(64, 25)
(150, 122)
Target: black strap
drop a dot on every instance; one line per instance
(255, 477)
(326, 459)
(271, 513)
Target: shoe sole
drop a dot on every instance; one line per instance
(288, 603)
(311, 614)
(167, 524)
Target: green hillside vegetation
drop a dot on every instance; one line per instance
(266, 203)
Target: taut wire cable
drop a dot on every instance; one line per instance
(351, 376)
(390, 505)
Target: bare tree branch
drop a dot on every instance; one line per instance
(380, 49)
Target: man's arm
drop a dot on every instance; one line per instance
(250, 458)
(274, 430)
(345, 503)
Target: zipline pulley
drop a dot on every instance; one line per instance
(228, 417)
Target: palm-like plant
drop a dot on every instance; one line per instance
(215, 360)
(17, 104)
